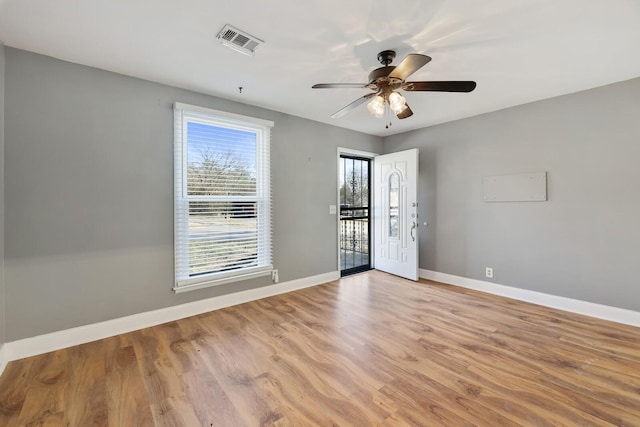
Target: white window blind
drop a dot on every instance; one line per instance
(222, 197)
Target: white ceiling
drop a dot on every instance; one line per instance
(517, 51)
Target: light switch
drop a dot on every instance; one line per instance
(332, 209)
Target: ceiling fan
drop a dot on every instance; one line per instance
(385, 82)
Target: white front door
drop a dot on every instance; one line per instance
(396, 213)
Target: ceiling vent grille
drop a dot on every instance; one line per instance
(239, 40)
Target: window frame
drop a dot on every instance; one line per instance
(183, 114)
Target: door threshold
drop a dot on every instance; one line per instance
(358, 271)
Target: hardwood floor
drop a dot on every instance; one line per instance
(368, 350)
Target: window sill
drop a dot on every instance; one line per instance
(207, 281)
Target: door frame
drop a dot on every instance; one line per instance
(365, 155)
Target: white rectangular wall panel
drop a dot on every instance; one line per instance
(521, 187)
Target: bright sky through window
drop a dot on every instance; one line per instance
(221, 143)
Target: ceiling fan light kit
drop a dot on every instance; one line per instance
(387, 80)
(376, 106)
(397, 102)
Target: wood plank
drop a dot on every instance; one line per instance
(166, 392)
(14, 385)
(127, 402)
(87, 394)
(46, 388)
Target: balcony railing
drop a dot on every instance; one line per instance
(354, 238)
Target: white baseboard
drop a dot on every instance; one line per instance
(599, 311)
(69, 337)
(3, 358)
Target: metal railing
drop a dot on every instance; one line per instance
(354, 238)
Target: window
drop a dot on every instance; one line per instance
(394, 204)
(222, 197)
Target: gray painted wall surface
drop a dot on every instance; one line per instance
(89, 194)
(2, 305)
(584, 241)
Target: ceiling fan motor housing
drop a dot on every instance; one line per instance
(380, 72)
(380, 77)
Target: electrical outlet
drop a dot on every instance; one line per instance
(274, 276)
(489, 272)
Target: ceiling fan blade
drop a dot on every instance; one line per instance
(338, 85)
(407, 112)
(444, 86)
(409, 65)
(352, 106)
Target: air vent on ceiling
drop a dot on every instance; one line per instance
(239, 40)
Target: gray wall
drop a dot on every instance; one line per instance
(584, 241)
(89, 194)
(2, 305)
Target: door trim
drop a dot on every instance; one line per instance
(365, 155)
